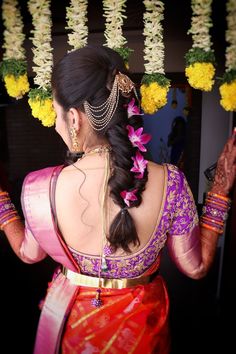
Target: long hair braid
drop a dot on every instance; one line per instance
(122, 231)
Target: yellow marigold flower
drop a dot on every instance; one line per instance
(153, 97)
(228, 96)
(43, 110)
(200, 76)
(16, 86)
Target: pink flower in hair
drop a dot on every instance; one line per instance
(137, 138)
(133, 109)
(128, 196)
(140, 165)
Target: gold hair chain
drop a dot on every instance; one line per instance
(100, 116)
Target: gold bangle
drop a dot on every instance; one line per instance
(212, 228)
(9, 221)
(11, 212)
(220, 196)
(2, 193)
(7, 199)
(210, 202)
(213, 220)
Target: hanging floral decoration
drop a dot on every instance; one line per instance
(114, 15)
(13, 68)
(40, 98)
(155, 85)
(200, 59)
(76, 16)
(228, 85)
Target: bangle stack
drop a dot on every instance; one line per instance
(215, 212)
(8, 212)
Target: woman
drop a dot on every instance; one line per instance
(106, 217)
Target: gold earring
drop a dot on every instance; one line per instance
(74, 140)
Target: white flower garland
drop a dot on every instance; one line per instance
(43, 58)
(13, 35)
(76, 15)
(114, 14)
(200, 24)
(153, 32)
(230, 35)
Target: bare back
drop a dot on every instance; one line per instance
(78, 205)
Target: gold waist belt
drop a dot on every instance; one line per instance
(86, 280)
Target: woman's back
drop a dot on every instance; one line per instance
(78, 205)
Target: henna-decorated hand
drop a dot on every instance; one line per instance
(226, 168)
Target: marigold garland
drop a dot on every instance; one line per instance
(114, 15)
(13, 68)
(200, 59)
(228, 85)
(155, 85)
(40, 99)
(76, 16)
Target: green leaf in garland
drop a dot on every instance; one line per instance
(124, 52)
(229, 76)
(199, 55)
(13, 67)
(40, 93)
(157, 77)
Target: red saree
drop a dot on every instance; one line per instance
(133, 320)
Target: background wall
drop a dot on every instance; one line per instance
(26, 146)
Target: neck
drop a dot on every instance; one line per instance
(96, 148)
(99, 149)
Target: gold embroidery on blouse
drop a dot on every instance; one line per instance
(160, 215)
(150, 251)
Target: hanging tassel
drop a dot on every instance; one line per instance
(104, 266)
(97, 302)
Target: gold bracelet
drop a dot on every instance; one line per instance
(212, 228)
(220, 196)
(17, 217)
(2, 193)
(221, 223)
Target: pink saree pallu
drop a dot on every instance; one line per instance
(59, 299)
(36, 205)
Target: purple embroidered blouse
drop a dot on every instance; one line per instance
(177, 218)
(177, 227)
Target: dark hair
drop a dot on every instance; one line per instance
(88, 74)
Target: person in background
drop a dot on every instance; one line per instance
(107, 216)
(177, 140)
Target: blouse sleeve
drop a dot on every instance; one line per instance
(30, 250)
(183, 240)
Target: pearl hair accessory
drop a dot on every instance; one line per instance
(100, 116)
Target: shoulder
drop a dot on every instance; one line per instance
(168, 172)
(43, 173)
(154, 167)
(171, 171)
(156, 175)
(177, 181)
(174, 172)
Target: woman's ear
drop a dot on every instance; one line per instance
(74, 118)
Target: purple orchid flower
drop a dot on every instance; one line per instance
(133, 109)
(128, 196)
(140, 165)
(137, 138)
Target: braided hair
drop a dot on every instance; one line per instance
(87, 74)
